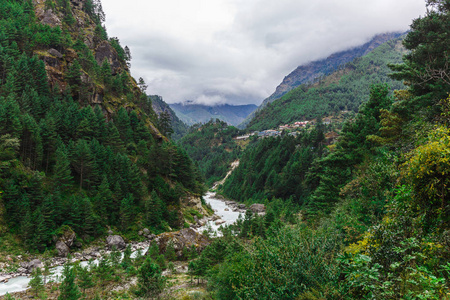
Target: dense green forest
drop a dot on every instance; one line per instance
(168, 122)
(373, 217)
(343, 90)
(276, 167)
(212, 148)
(81, 147)
(79, 141)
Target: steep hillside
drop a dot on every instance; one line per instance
(196, 113)
(312, 71)
(79, 145)
(167, 117)
(212, 147)
(342, 90)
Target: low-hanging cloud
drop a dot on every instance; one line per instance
(238, 51)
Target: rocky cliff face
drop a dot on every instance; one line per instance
(87, 45)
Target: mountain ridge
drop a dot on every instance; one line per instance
(343, 90)
(311, 71)
(199, 113)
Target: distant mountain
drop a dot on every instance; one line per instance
(345, 89)
(159, 106)
(197, 113)
(312, 71)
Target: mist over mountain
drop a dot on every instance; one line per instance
(312, 71)
(198, 113)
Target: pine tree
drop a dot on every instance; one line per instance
(84, 279)
(126, 211)
(150, 281)
(83, 162)
(126, 263)
(153, 210)
(36, 284)
(62, 173)
(73, 76)
(69, 289)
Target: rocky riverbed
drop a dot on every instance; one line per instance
(226, 212)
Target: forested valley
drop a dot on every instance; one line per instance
(366, 217)
(356, 208)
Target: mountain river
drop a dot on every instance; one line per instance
(220, 208)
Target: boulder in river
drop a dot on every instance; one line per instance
(220, 222)
(115, 241)
(202, 222)
(28, 267)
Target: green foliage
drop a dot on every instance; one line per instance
(283, 266)
(170, 252)
(212, 148)
(276, 167)
(64, 161)
(150, 281)
(84, 277)
(68, 288)
(426, 67)
(36, 283)
(428, 172)
(336, 169)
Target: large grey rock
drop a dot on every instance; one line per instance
(63, 249)
(181, 239)
(35, 263)
(258, 208)
(146, 231)
(106, 51)
(55, 53)
(68, 237)
(65, 241)
(115, 241)
(220, 222)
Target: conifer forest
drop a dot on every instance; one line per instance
(106, 194)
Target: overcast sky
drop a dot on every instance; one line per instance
(238, 51)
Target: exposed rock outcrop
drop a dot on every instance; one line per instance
(65, 241)
(63, 249)
(106, 51)
(180, 239)
(115, 241)
(258, 208)
(47, 16)
(194, 202)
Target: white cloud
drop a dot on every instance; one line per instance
(238, 51)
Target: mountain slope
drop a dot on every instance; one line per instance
(312, 71)
(197, 113)
(345, 89)
(163, 110)
(79, 146)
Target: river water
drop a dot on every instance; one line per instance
(222, 210)
(225, 212)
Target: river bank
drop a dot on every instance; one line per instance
(226, 213)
